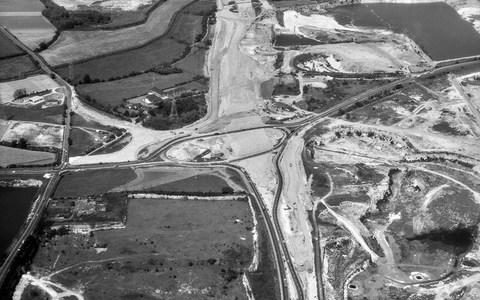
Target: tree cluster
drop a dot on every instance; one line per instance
(22, 143)
(63, 19)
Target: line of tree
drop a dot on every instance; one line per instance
(22, 143)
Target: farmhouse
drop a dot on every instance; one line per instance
(35, 100)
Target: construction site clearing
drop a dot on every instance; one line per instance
(227, 147)
(325, 161)
(35, 134)
(388, 52)
(401, 205)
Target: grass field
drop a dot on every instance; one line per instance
(79, 121)
(194, 62)
(263, 281)
(184, 31)
(186, 27)
(92, 182)
(182, 34)
(31, 84)
(8, 49)
(79, 45)
(114, 92)
(180, 179)
(137, 60)
(116, 145)
(17, 67)
(202, 183)
(170, 249)
(84, 141)
(20, 5)
(161, 179)
(15, 156)
(29, 29)
(23, 18)
(52, 115)
(200, 7)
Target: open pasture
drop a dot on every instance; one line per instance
(85, 141)
(171, 47)
(17, 67)
(186, 27)
(114, 92)
(173, 249)
(30, 29)
(8, 48)
(21, 6)
(15, 156)
(35, 113)
(161, 179)
(161, 51)
(194, 62)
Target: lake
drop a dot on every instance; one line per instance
(15, 204)
(436, 27)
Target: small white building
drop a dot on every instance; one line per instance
(35, 99)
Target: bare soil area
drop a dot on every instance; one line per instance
(226, 147)
(36, 134)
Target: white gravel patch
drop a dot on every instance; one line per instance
(294, 20)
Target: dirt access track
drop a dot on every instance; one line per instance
(73, 46)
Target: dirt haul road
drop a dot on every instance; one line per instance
(235, 77)
(293, 216)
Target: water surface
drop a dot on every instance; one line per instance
(15, 204)
(436, 27)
